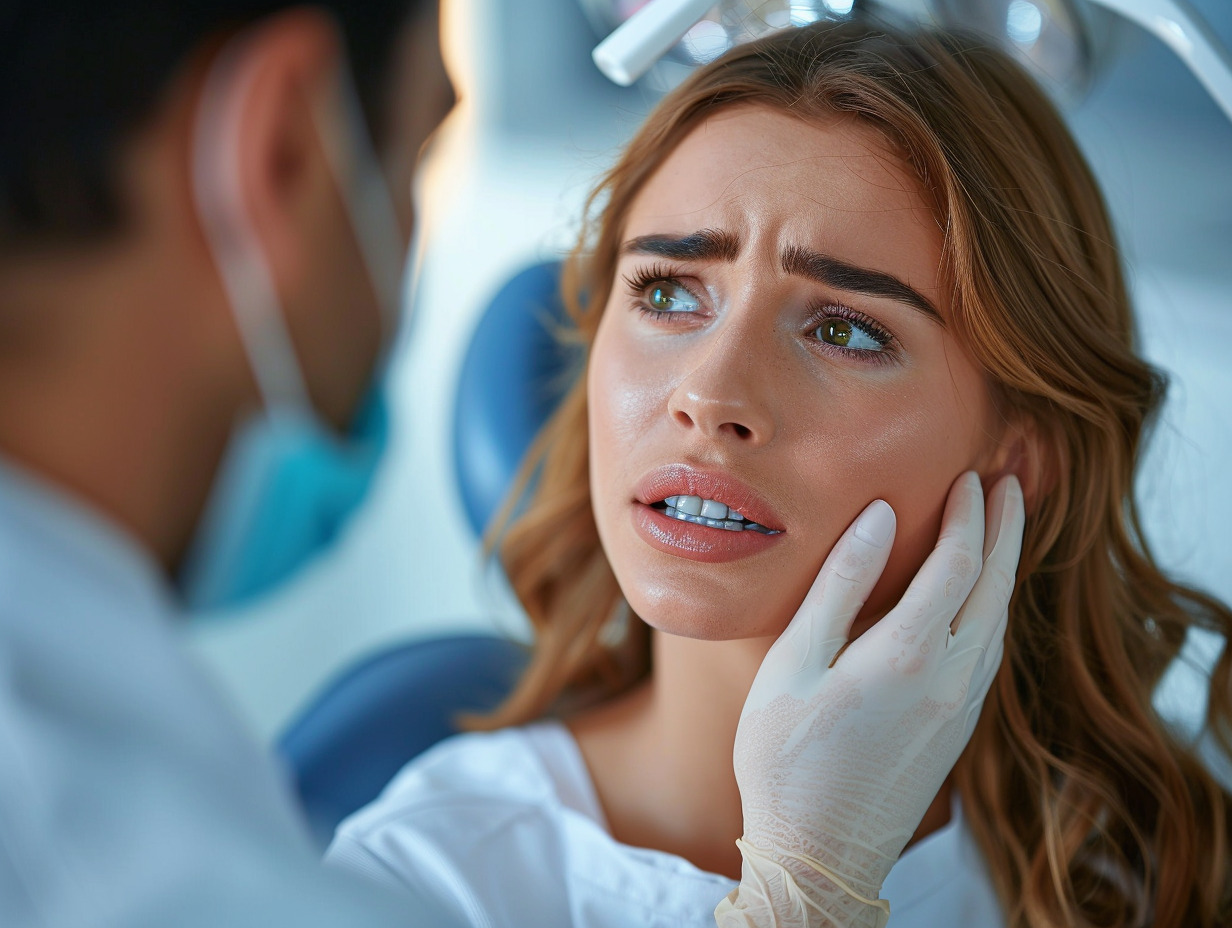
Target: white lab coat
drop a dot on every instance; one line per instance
(506, 830)
(129, 795)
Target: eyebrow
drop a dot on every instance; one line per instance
(706, 245)
(716, 245)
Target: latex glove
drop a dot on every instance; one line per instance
(838, 764)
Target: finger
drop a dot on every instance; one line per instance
(977, 696)
(998, 501)
(982, 675)
(988, 603)
(938, 590)
(982, 679)
(918, 626)
(823, 622)
(992, 663)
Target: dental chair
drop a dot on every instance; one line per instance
(379, 714)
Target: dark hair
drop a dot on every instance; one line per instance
(79, 78)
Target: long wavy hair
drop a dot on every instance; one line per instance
(1088, 810)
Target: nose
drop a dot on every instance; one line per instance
(725, 396)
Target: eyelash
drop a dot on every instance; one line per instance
(643, 278)
(818, 313)
(823, 311)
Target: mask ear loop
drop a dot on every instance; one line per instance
(367, 200)
(237, 252)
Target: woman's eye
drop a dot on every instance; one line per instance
(843, 333)
(667, 297)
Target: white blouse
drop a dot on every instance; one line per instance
(505, 829)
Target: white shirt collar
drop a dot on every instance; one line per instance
(36, 512)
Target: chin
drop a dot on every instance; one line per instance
(685, 616)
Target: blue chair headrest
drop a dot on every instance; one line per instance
(360, 730)
(380, 713)
(514, 374)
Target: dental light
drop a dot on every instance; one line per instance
(1056, 36)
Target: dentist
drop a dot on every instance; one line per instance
(199, 267)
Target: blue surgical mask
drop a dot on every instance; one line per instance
(285, 491)
(288, 482)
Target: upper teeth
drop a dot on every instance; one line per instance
(699, 506)
(711, 512)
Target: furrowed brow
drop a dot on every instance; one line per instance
(843, 276)
(704, 245)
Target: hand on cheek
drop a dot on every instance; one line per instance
(843, 744)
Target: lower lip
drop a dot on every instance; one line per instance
(697, 542)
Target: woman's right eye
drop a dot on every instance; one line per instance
(666, 297)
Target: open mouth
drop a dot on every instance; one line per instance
(709, 512)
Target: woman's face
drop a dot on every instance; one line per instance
(776, 346)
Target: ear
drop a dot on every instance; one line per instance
(1030, 454)
(281, 78)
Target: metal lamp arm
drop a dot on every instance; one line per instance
(1179, 26)
(645, 37)
(629, 51)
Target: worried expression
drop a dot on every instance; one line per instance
(773, 356)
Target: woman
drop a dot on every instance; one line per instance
(844, 263)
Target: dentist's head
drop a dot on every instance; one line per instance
(203, 214)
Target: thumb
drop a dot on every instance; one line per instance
(822, 624)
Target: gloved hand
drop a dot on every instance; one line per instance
(839, 758)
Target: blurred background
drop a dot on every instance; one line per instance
(503, 188)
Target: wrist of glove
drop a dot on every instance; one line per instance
(799, 891)
(842, 747)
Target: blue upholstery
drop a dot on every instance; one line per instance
(369, 722)
(514, 374)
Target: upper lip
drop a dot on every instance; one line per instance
(686, 480)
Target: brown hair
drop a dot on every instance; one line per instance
(1087, 809)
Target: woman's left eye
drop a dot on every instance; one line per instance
(844, 333)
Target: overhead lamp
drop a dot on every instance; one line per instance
(1057, 37)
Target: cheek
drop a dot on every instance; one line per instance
(845, 442)
(626, 393)
(622, 399)
(911, 460)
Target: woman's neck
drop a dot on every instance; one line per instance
(661, 756)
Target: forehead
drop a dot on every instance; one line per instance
(835, 184)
